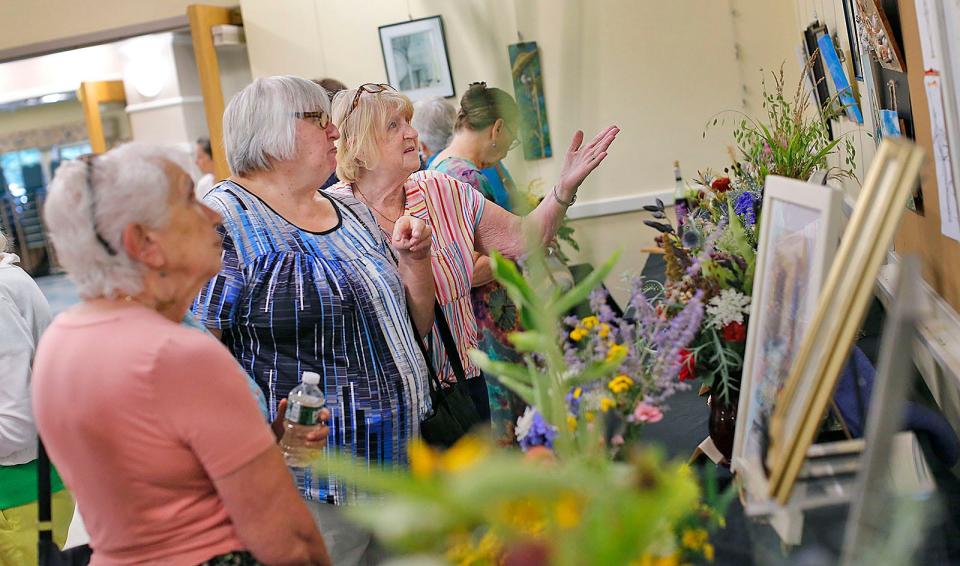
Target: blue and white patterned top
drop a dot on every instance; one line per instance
(289, 300)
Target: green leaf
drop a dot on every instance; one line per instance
(516, 372)
(529, 341)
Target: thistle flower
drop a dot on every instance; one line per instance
(745, 207)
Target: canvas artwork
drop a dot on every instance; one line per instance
(783, 314)
(853, 37)
(829, 54)
(415, 56)
(528, 89)
(876, 34)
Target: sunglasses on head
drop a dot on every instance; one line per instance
(371, 88)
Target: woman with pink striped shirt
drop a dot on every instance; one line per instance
(378, 163)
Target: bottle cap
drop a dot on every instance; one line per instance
(310, 378)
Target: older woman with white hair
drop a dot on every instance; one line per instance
(150, 422)
(433, 118)
(24, 315)
(378, 163)
(308, 284)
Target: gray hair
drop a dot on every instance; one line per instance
(126, 185)
(433, 118)
(3, 242)
(259, 122)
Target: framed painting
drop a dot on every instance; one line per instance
(853, 38)
(843, 302)
(529, 92)
(415, 56)
(799, 233)
(877, 34)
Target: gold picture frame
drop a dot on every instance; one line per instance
(840, 310)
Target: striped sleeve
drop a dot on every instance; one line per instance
(472, 202)
(216, 305)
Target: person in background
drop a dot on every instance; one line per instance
(307, 285)
(485, 115)
(24, 315)
(150, 422)
(433, 118)
(332, 86)
(203, 157)
(378, 161)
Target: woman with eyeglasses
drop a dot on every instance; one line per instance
(308, 285)
(378, 164)
(150, 423)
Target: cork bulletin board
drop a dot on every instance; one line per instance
(921, 234)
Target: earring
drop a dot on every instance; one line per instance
(494, 145)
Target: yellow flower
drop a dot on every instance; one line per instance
(620, 384)
(604, 330)
(651, 560)
(590, 322)
(606, 404)
(424, 460)
(571, 423)
(578, 334)
(616, 352)
(526, 515)
(590, 416)
(463, 455)
(577, 392)
(708, 552)
(567, 511)
(694, 539)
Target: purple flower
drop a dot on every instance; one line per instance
(533, 430)
(745, 206)
(573, 400)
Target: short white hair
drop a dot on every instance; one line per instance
(3, 242)
(128, 184)
(433, 118)
(259, 122)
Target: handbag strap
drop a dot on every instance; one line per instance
(44, 523)
(449, 344)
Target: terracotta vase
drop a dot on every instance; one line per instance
(722, 424)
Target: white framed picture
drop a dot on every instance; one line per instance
(799, 234)
(415, 56)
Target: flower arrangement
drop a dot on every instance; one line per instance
(649, 346)
(794, 141)
(481, 504)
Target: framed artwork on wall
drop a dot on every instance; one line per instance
(798, 238)
(879, 37)
(843, 301)
(529, 92)
(853, 37)
(415, 56)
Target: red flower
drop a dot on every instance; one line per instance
(721, 184)
(687, 364)
(735, 332)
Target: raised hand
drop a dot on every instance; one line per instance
(581, 161)
(412, 237)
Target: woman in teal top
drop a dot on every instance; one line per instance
(24, 314)
(484, 132)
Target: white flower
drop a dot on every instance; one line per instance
(729, 306)
(524, 423)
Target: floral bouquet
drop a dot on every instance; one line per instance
(481, 504)
(648, 345)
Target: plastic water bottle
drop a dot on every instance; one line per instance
(303, 413)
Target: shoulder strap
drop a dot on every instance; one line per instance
(449, 344)
(43, 493)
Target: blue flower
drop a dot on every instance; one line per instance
(532, 430)
(744, 206)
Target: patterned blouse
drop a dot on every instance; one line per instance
(289, 300)
(453, 210)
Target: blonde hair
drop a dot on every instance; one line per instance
(362, 129)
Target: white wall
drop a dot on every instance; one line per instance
(58, 72)
(25, 22)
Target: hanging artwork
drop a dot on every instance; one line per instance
(877, 35)
(415, 55)
(844, 91)
(528, 88)
(853, 38)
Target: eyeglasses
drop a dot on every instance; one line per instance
(372, 88)
(319, 117)
(88, 160)
(516, 141)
